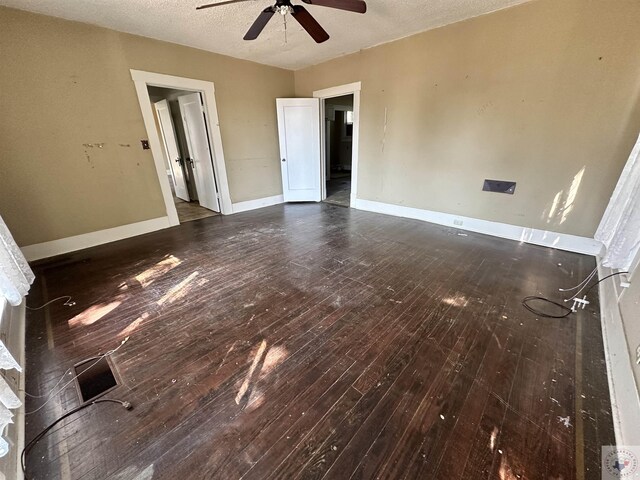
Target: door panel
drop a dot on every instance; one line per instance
(299, 133)
(171, 149)
(195, 129)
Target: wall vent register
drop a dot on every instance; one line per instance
(499, 186)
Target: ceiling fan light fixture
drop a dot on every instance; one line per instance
(284, 9)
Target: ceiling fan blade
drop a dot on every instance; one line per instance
(310, 24)
(218, 4)
(259, 24)
(358, 6)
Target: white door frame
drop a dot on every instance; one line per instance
(142, 80)
(348, 89)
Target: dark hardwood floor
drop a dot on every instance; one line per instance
(314, 341)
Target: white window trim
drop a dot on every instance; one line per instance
(12, 320)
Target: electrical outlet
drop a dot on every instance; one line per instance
(458, 222)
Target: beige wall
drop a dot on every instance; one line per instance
(545, 94)
(65, 84)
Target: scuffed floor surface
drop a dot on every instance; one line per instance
(313, 341)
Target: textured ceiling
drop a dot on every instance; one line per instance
(221, 29)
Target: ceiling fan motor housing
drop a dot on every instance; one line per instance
(283, 7)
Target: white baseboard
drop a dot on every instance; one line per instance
(561, 241)
(625, 399)
(258, 203)
(86, 240)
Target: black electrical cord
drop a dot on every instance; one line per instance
(603, 279)
(38, 437)
(567, 310)
(525, 304)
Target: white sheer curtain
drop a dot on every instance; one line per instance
(15, 279)
(619, 229)
(15, 274)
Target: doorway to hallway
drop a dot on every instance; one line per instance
(183, 129)
(198, 108)
(319, 140)
(338, 144)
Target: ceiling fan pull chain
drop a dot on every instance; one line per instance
(285, 29)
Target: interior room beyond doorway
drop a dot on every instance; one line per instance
(338, 148)
(178, 132)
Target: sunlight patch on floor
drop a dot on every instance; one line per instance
(247, 380)
(94, 313)
(178, 291)
(275, 356)
(511, 468)
(460, 301)
(492, 441)
(151, 274)
(134, 325)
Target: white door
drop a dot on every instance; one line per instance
(195, 129)
(171, 149)
(299, 132)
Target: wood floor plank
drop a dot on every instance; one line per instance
(314, 341)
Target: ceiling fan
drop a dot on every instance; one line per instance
(301, 14)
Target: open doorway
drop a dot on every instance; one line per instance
(183, 134)
(319, 140)
(204, 167)
(338, 147)
(340, 136)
